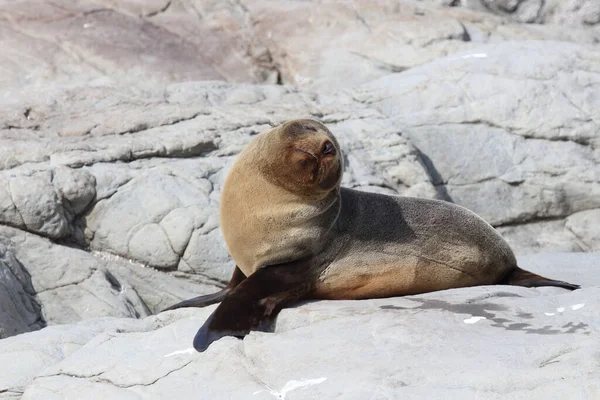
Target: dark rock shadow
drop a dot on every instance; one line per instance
(20, 309)
(435, 176)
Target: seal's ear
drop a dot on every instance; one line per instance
(254, 304)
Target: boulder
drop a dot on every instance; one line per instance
(508, 130)
(19, 310)
(72, 284)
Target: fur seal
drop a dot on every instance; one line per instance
(295, 233)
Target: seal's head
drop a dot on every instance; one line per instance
(302, 156)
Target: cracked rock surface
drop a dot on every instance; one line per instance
(491, 342)
(559, 12)
(326, 44)
(119, 121)
(499, 140)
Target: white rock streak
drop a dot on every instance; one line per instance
(475, 55)
(473, 320)
(562, 309)
(293, 385)
(186, 351)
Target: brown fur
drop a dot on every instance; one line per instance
(295, 233)
(282, 202)
(272, 194)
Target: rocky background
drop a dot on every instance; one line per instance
(120, 119)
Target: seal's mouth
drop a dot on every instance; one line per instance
(305, 151)
(330, 171)
(329, 167)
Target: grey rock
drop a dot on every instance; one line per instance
(535, 237)
(379, 38)
(19, 309)
(157, 289)
(75, 41)
(255, 41)
(38, 205)
(573, 13)
(523, 10)
(77, 187)
(29, 354)
(72, 284)
(144, 202)
(527, 336)
(510, 164)
(580, 268)
(45, 201)
(585, 225)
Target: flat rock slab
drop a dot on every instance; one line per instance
(314, 44)
(492, 342)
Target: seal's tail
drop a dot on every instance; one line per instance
(520, 277)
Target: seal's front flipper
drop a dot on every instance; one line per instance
(254, 304)
(520, 277)
(203, 301)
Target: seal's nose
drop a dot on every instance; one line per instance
(328, 148)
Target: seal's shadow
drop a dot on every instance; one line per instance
(485, 310)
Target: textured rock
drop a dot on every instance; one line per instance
(495, 140)
(490, 342)
(161, 209)
(540, 236)
(326, 44)
(72, 284)
(28, 355)
(370, 39)
(46, 202)
(585, 226)
(19, 310)
(75, 40)
(562, 12)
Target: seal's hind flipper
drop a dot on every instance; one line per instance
(254, 304)
(203, 301)
(520, 277)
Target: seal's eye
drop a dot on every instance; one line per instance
(328, 148)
